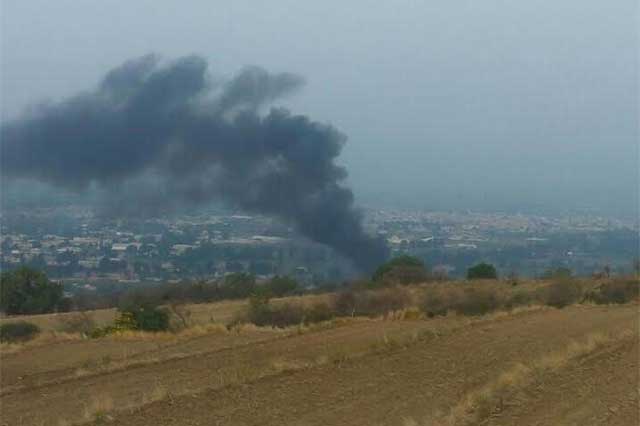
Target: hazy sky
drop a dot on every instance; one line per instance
(447, 104)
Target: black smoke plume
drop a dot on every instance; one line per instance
(156, 137)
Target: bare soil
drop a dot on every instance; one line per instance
(357, 372)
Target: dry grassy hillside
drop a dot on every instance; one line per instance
(453, 354)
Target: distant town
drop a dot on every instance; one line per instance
(83, 249)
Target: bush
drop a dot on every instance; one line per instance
(143, 318)
(463, 301)
(371, 302)
(482, 271)
(319, 312)
(281, 286)
(563, 293)
(618, 291)
(262, 313)
(345, 303)
(519, 298)
(477, 301)
(124, 322)
(79, 322)
(384, 301)
(18, 331)
(437, 301)
(151, 319)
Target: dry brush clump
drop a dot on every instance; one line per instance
(483, 298)
(563, 293)
(371, 303)
(261, 312)
(465, 299)
(77, 322)
(352, 303)
(617, 291)
(19, 331)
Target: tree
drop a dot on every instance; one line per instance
(238, 285)
(559, 273)
(28, 291)
(402, 269)
(482, 271)
(281, 286)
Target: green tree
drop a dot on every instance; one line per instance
(482, 271)
(28, 291)
(281, 286)
(402, 269)
(560, 272)
(239, 285)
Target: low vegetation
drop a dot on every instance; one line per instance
(136, 317)
(263, 313)
(371, 303)
(563, 293)
(400, 270)
(483, 298)
(20, 331)
(615, 292)
(28, 291)
(468, 301)
(482, 271)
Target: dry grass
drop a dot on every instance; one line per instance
(159, 392)
(57, 321)
(495, 396)
(44, 338)
(98, 408)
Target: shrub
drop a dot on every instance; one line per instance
(124, 322)
(144, 319)
(382, 302)
(437, 301)
(319, 312)
(618, 291)
(151, 319)
(477, 301)
(371, 302)
(281, 286)
(259, 312)
(286, 315)
(563, 293)
(18, 331)
(78, 322)
(519, 298)
(463, 301)
(262, 313)
(482, 271)
(345, 303)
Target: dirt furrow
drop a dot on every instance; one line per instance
(413, 384)
(598, 389)
(130, 387)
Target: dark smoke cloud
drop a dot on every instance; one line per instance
(156, 137)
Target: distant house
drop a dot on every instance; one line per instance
(120, 247)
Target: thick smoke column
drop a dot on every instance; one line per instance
(149, 127)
